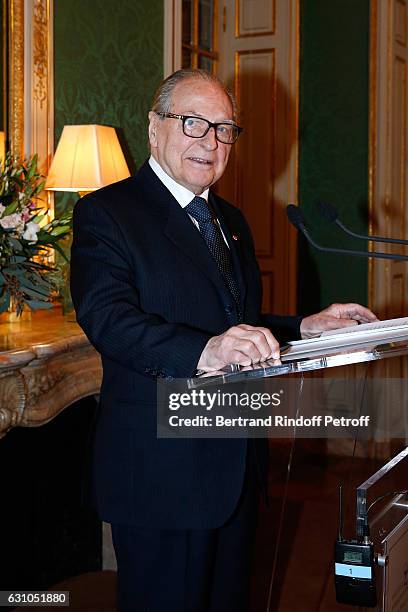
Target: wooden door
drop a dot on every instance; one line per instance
(389, 176)
(389, 154)
(258, 58)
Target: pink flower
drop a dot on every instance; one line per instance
(11, 221)
(25, 214)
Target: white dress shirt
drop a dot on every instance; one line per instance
(180, 193)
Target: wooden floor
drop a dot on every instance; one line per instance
(303, 576)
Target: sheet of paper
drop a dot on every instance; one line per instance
(349, 338)
(386, 324)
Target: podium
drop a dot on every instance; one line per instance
(388, 516)
(389, 529)
(315, 357)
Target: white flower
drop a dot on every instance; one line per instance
(11, 221)
(31, 231)
(2, 209)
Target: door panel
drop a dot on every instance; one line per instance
(388, 169)
(258, 47)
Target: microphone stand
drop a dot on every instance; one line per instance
(328, 212)
(295, 216)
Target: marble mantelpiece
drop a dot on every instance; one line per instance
(46, 364)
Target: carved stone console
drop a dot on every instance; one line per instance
(46, 364)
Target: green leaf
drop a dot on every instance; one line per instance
(34, 277)
(37, 218)
(37, 305)
(11, 208)
(16, 244)
(10, 270)
(58, 231)
(32, 168)
(15, 271)
(5, 301)
(58, 248)
(40, 187)
(36, 294)
(43, 290)
(35, 264)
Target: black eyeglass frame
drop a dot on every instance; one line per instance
(183, 118)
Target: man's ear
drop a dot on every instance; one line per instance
(153, 127)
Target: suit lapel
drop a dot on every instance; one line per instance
(179, 229)
(182, 232)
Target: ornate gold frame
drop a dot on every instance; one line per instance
(16, 77)
(31, 105)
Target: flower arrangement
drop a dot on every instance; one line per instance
(26, 275)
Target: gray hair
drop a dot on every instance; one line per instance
(163, 96)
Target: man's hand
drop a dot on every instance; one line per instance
(333, 317)
(242, 344)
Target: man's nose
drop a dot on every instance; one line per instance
(209, 140)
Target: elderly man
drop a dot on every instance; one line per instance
(162, 290)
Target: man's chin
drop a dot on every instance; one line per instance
(200, 182)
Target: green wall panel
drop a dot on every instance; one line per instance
(108, 63)
(333, 164)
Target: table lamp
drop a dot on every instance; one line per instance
(87, 157)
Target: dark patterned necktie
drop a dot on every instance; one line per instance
(210, 231)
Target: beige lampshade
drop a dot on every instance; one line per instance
(87, 158)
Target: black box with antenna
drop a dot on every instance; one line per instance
(354, 563)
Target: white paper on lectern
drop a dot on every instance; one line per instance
(348, 338)
(369, 327)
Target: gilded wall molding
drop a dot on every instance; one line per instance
(40, 98)
(16, 77)
(31, 105)
(40, 52)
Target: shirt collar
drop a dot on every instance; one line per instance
(182, 195)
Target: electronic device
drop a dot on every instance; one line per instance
(354, 573)
(354, 565)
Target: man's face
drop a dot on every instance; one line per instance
(195, 163)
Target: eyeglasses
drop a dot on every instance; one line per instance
(196, 127)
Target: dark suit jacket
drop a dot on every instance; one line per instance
(149, 295)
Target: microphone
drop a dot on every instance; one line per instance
(295, 216)
(328, 212)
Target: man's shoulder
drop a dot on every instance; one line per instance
(123, 188)
(133, 192)
(128, 186)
